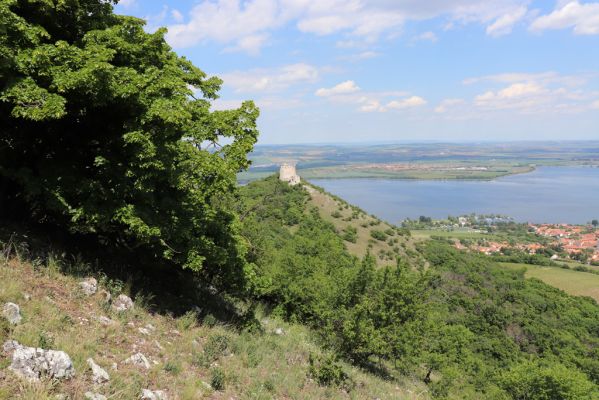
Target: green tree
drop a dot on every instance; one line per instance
(534, 381)
(106, 132)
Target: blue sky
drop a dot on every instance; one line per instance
(395, 70)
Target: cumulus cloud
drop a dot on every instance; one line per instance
(595, 105)
(270, 80)
(584, 18)
(504, 24)
(349, 93)
(413, 101)
(342, 88)
(247, 25)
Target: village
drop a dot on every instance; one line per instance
(557, 241)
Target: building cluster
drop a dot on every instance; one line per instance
(571, 239)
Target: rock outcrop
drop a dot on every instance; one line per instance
(99, 375)
(12, 313)
(139, 360)
(147, 394)
(122, 303)
(94, 396)
(34, 363)
(89, 286)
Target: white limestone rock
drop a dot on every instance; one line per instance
(147, 394)
(34, 363)
(122, 303)
(89, 286)
(94, 396)
(138, 360)
(99, 375)
(12, 313)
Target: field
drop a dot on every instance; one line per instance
(419, 161)
(455, 234)
(572, 282)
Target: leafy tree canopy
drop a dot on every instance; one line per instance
(105, 131)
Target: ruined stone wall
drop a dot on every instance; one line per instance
(288, 174)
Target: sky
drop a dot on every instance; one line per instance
(371, 71)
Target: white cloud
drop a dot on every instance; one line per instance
(177, 16)
(270, 80)
(414, 101)
(247, 25)
(342, 88)
(504, 24)
(584, 18)
(595, 105)
(544, 78)
(426, 36)
(448, 104)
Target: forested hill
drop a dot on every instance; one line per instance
(459, 323)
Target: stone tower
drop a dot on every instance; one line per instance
(287, 174)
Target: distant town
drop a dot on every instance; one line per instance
(500, 235)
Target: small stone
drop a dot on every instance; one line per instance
(122, 303)
(150, 327)
(143, 331)
(105, 320)
(94, 396)
(99, 375)
(139, 360)
(158, 345)
(147, 394)
(279, 332)
(33, 363)
(89, 286)
(26, 296)
(114, 366)
(12, 313)
(61, 396)
(105, 295)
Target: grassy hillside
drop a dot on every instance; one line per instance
(190, 358)
(325, 318)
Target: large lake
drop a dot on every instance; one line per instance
(548, 194)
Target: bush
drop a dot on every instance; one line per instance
(218, 379)
(378, 235)
(327, 371)
(533, 381)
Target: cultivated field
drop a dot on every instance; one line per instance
(572, 282)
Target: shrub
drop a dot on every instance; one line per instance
(327, 371)
(218, 378)
(378, 235)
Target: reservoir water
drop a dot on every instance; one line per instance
(548, 194)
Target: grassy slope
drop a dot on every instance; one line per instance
(384, 251)
(258, 366)
(572, 282)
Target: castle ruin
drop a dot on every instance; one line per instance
(288, 174)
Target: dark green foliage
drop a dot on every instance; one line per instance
(218, 379)
(533, 381)
(378, 235)
(327, 371)
(459, 326)
(350, 233)
(106, 133)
